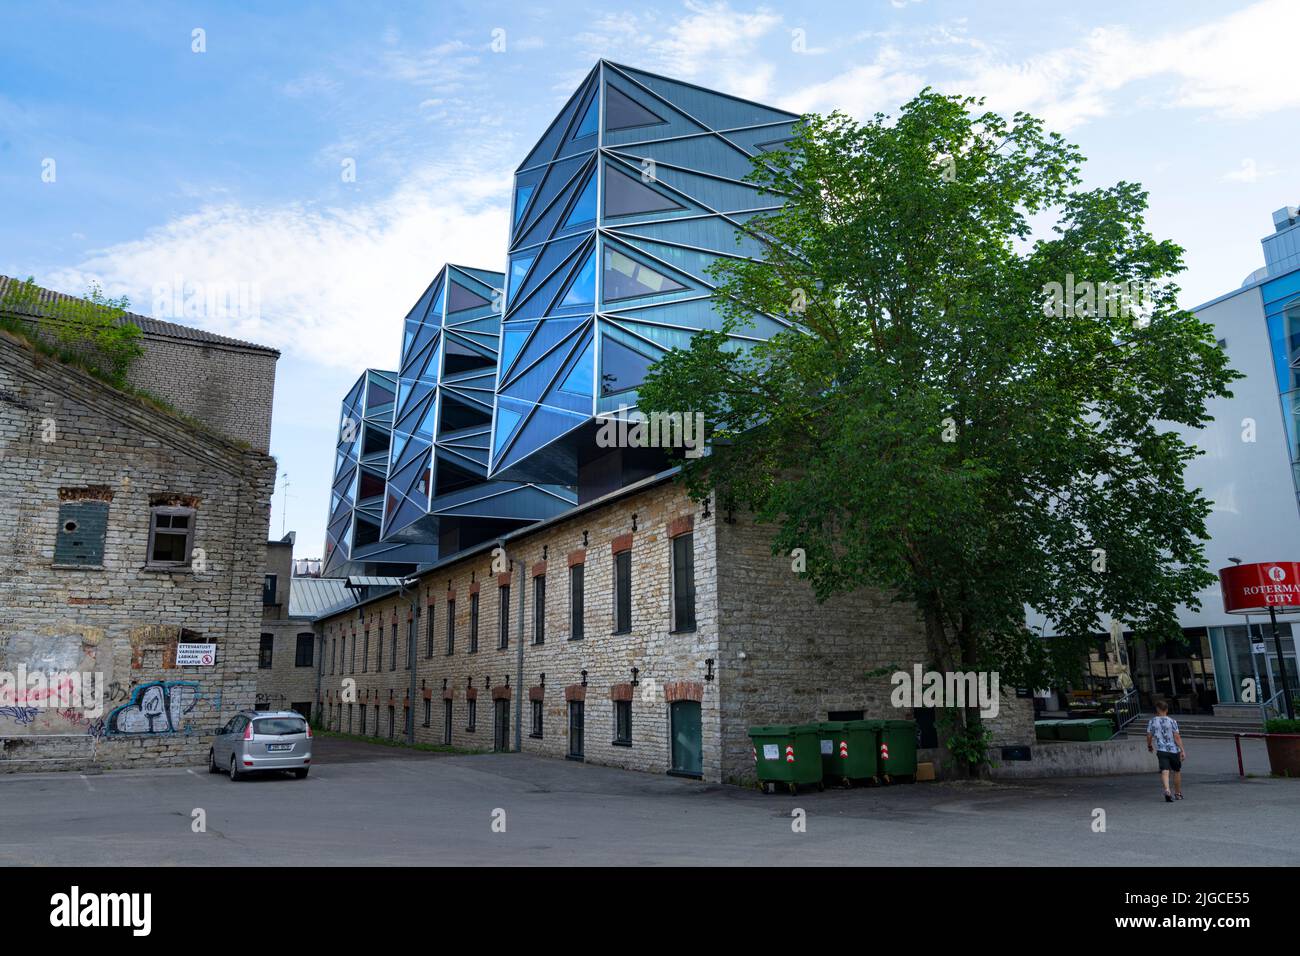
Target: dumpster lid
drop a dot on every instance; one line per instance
(770, 730)
(897, 724)
(827, 726)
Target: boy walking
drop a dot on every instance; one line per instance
(1162, 731)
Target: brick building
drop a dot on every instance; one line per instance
(641, 630)
(125, 530)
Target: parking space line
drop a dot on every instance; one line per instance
(86, 782)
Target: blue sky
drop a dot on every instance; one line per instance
(226, 167)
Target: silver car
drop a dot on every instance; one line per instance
(258, 740)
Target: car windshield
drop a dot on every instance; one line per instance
(279, 726)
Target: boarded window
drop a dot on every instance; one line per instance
(83, 526)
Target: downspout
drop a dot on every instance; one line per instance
(410, 650)
(519, 662)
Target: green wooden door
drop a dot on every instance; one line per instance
(688, 742)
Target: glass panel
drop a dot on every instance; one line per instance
(621, 111)
(620, 367)
(584, 210)
(522, 195)
(462, 298)
(506, 421)
(580, 379)
(625, 278)
(519, 269)
(624, 196)
(583, 289)
(588, 125)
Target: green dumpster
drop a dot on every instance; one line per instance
(787, 754)
(1047, 729)
(1096, 728)
(897, 749)
(849, 750)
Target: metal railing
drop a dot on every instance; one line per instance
(1126, 710)
(1274, 707)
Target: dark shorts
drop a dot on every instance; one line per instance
(1169, 761)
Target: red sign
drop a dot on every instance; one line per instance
(1249, 588)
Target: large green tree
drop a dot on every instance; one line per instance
(952, 416)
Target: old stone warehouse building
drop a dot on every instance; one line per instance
(641, 630)
(127, 529)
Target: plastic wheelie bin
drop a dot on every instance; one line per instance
(1046, 729)
(788, 755)
(897, 750)
(849, 750)
(1096, 728)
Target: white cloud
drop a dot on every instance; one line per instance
(1249, 172)
(710, 43)
(1222, 67)
(335, 280)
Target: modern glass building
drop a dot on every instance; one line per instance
(429, 494)
(635, 189)
(360, 469)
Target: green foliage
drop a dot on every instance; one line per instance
(89, 331)
(1282, 725)
(926, 427)
(966, 738)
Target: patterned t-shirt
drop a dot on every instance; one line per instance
(1163, 730)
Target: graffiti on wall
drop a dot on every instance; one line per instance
(157, 707)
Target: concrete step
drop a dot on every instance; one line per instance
(1201, 725)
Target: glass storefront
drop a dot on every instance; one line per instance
(1232, 652)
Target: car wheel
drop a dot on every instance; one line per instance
(212, 762)
(234, 770)
(301, 774)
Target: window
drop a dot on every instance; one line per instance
(350, 718)
(503, 616)
(428, 633)
(451, 627)
(446, 723)
(537, 719)
(392, 647)
(302, 656)
(365, 653)
(623, 592)
(171, 536)
(334, 652)
(428, 711)
(268, 590)
(575, 602)
(410, 642)
(377, 719)
(379, 648)
(265, 651)
(473, 623)
(623, 723)
(392, 721)
(539, 609)
(363, 719)
(684, 582)
(472, 721)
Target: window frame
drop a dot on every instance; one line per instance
(266, 652)
(675, 598)
(622, 723)
(539, 609)
(298, 646)
(503, 617)
(577, 601)
(623, 591)
(156, 511)
(473, 623)
(451, 626)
